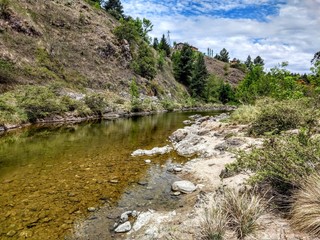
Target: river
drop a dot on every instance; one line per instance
(50, 175)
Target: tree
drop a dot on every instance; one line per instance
(156, 43)
(144, 63)
(248, 62)
(223, 56)
(114, 7)
(316, 58)
(163, 45)
(258, 61)
(199, 78)
(182, 64)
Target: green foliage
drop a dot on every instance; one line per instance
(161, 59)
(245, 114)
(183, 64)
(199, 78)
(258, 61)
(114, 7)
(168, 104)
(275, 117)
(283, 162)
(155, 43)
(6, 72)
(218, 91)
(129, 30)
(223, 56)
(9, 110)
(94, 3)
(278, 83)
(144, 62)
(96, 102)
(134, 90)
(164, 46)
(39, 102)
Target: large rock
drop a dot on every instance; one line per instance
(125, 227)
(154, 151)
(178, 135)
(184, 186)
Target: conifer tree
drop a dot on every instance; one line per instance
(258, 61)
(199, 77)
(114, 7)
(163, 45)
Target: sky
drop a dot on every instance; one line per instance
(277, 30)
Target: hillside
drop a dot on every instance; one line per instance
(69, 47)
(224, 71)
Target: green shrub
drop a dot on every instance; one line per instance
(9, 111)
(245, 114)
(168, 104)
(39, 102)
(96, 102)
(275, 117)
(283, 161)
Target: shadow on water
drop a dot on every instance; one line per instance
(50, 175)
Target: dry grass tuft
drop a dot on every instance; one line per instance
(305, 215)
(214, 224)
(234, 211)
(243, 211)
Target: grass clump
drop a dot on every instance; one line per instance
(243, 211)
(214, 224)
(305, 214)
(234, 211)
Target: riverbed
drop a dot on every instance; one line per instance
(56, 177)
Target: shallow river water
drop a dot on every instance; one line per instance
(51, 175)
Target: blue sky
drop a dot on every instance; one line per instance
(277, 30)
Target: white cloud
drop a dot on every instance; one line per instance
(292, 35)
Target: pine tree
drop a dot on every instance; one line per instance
(224, 55)
(114, 7)
(156, 43)
(258, 61)
(199, 77)
(183, 64)
(248, 62)
(163, 45)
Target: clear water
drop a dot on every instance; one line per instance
(50, 175)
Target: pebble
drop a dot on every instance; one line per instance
(91, 209)
(147, 161)
(114, 181)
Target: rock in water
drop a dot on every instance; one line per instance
(183, 186)
(125, 227)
